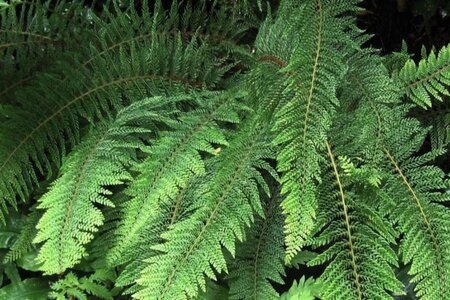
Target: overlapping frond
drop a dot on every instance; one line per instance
(367, 101)
(225, 204)
(71, 215)
(24, 244)
(438, 118)
(173, 160)
(32, 35)
(259, 259)
(428, 80)
(35, 138)
(301, 123)
(359, 239)
(168, 126)
(418, 191)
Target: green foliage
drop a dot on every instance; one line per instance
(79, 288)
(360, 252)
(203, 151)
(28, 289)
(429, 79)
(101, 160)
(307, 289)
(260, 257)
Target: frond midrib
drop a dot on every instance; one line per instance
(436, 73)
(18, 32)
(351, 246)
(435, 242)
(17, 83)
(69, 208)
(237, 173)
(315, 67)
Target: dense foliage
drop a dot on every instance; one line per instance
(199, 150)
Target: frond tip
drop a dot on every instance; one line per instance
(430, 79)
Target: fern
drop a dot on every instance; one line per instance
(260, 257)
(71, 215)
(23, 244)
(218, 150)
(299, 124)
(419, 191)
(48, 115)
(429, 79)
(194, 244)
(31, 35)
(173, 162)
(80, 288)
(360, 254)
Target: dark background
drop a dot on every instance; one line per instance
(417, 22)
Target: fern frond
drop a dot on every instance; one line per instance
(438, 119)
(308, 289)
(430, 79)
(360, 256)
(35, 140)
(260, 257)
(172, 162)
(193, 247)
(150, 236)
(79, 288)
(175, 158)
(418, 190)
(367, 99)
(31, 37)
(71, 215)
(301, 123)
(23, 244)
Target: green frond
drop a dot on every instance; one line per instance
(308, 289)
(209, 149)
(438, 118)
(260, 257)
(36, 138)
(173, 160)
(227, 199)
(367, 97)
(301, 124)
(23, 244)
(71, 215)
(359, 240)
(31, 35)
(428, 80)
(197, 133)
(418, 191)
(79, 288)
(168, 215)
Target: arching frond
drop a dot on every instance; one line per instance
(32, 35)
(41, 129)
(301, 124)
(172, 162)
(71, 215)
(418, 190)
(226, 201)
(360, 254)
